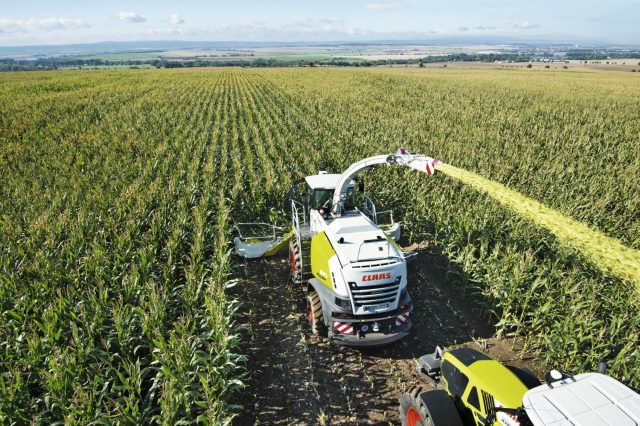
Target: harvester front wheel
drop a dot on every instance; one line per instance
(295, 261)
(412, 410)
(314, 314)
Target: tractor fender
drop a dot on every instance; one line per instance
(440, 408)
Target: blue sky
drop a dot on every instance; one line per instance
(74, 21)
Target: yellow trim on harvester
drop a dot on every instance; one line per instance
(321, 252)
(282, 244)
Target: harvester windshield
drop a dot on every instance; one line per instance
(322, 199)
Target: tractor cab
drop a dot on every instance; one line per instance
(469, 387)
(478, 384)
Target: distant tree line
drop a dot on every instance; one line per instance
(70, 61)
(65, 62)
(599, 55)
(61, 62)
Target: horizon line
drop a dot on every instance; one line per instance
(464, 40)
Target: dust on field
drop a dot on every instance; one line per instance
(298, 378)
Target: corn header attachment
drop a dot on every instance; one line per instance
(260, 239)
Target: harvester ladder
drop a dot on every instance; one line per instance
(302, 237)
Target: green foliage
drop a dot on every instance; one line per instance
(115, 222)
(568, 141)
(119, 189)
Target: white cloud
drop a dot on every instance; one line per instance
(484, 28)
(312, 26)
(381, 7)
(173, 31)
(131, 17)
(176, 20)
(463, 28)
(51, 24)
(526, 26)
(47, 24)
(305, 30)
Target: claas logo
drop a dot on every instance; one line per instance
(376, 277)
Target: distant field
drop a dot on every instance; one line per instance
(312, 58)
(131, 56)
(106, 67)
(120, 188)
(281, 55)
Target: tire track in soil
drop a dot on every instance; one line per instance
(298, 378)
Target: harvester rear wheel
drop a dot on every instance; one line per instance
(295, 260)
(314, 314)
(412, 410)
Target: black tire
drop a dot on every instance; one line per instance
(412, 410)
(526, 376)
(295, 261)
(314, 314)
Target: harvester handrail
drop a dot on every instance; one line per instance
(296, 206)
(390, 212)
(368, 201)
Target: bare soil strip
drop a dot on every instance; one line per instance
(297, 378)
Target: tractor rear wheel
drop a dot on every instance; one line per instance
(314, 314)
(412, 410)
(295, 261)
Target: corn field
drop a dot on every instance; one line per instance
(119, 190)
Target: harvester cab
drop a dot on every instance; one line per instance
(471, 388)
(350, 265)
(316, 192)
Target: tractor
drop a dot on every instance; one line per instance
(348, 263)
(471, 388)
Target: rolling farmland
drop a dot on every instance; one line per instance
(120, 188)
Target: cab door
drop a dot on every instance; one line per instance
(472, 398)
(456, 383)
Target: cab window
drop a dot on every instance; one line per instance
(473, 399)
(456, 380)
(322, 199)
(349, 202)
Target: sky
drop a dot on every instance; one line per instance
(33, 22)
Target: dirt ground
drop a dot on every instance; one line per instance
(297, 378)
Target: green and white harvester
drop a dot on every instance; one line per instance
(350, 265)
